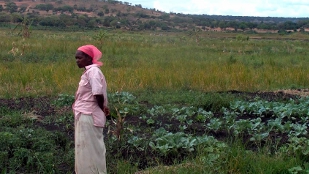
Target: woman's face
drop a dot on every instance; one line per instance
(82, 59)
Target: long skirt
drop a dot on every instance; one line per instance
(89, 147)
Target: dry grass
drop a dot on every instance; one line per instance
(299, 92)
(146, 61)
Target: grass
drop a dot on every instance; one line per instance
(30, 148)
(162, 69)
(234, 159)
(24, 137)
(44, 64)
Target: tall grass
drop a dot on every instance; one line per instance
(45, 63)
(234, 159)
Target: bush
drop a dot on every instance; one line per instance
(242, 38)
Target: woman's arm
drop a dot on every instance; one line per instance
(100, 101)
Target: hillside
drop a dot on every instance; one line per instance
(124, 15)
(89, 7)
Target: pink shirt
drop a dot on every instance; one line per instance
(92, 83)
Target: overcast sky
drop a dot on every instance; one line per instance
(262, 8)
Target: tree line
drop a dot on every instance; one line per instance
(64, 17)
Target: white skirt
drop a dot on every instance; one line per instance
(89, 147)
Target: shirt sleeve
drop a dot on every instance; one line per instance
(97, 81)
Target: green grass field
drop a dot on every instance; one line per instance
(159, 80)
(44, 63)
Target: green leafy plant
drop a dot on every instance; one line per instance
(150, 121)
(157, 111)
(101, 36)
(64, 100)
(214, 124)
(138, 143)
(172, 143)
(203, 115)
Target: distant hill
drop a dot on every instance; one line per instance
(92, 8)
(117, 14)
(256, 19)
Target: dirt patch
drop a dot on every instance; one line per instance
(41, 105)
(280, 95)
(295, 92)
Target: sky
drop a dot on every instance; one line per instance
(260, 8)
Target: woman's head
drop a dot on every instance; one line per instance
(87, 55)
(82, 59)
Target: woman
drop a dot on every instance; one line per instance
(90, 111)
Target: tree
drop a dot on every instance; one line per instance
(52, 21)
(243, 26)
(107, 21)
(262, 25)
(100, 13)
(288, 25)
(22, 9)
(115, 23)
(222, 25)
(267, 26)
(165, 16)
(11, 7)
(303, 24)
(106, 11)
(141, 15)
(234, 24)
(16, 17)
(91, 23)
(66, 19)
(49, 7)
(152, 24)
(40, 7)
(251, 25)
(81, 8)
(67, 8)
(164, 26)
(4, 17)
(81, 22)
(138, 5)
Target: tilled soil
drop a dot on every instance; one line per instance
(40, 107)
(43, 106)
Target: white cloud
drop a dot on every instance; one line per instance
(273, 8)
(170, 6)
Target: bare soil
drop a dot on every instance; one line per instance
(43, 106)
(39, 108)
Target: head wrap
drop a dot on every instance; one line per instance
(93, 52)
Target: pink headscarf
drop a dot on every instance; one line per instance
(93, 52)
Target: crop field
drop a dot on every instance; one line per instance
(187, 102)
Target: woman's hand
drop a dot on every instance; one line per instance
(100, 101)
(106, 110)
